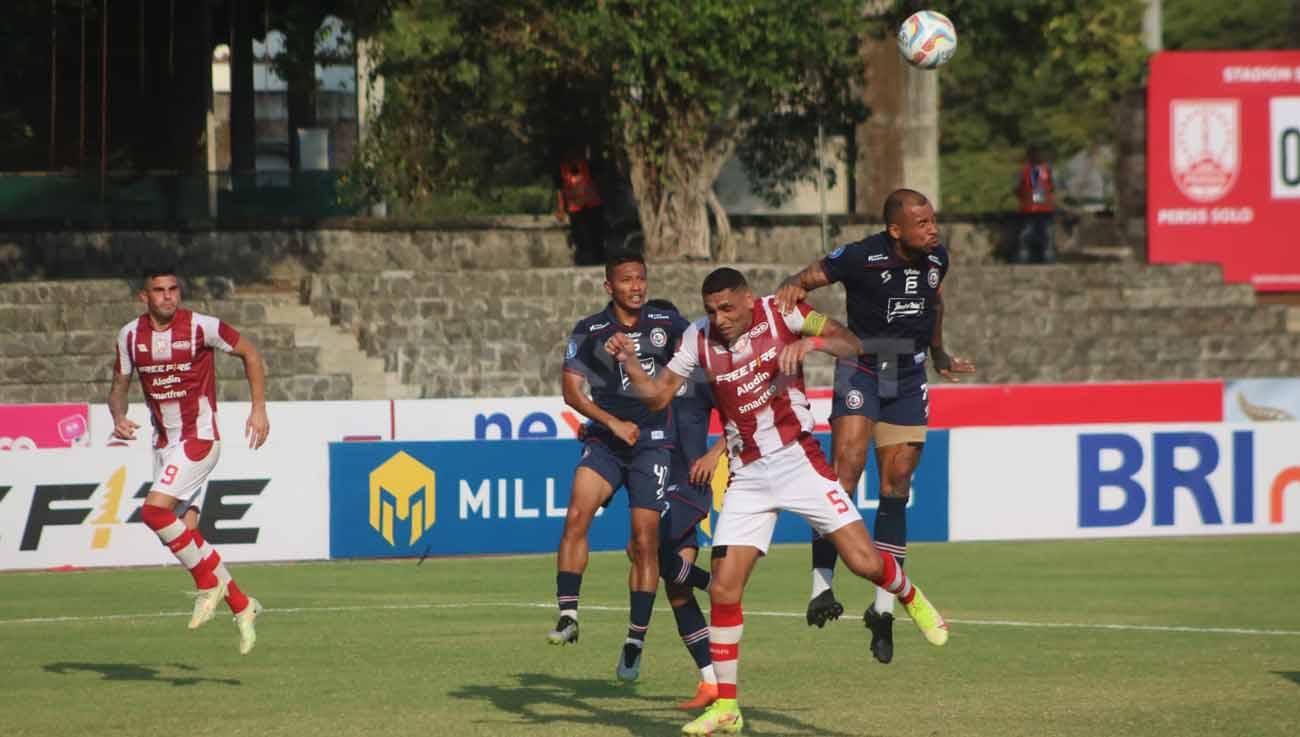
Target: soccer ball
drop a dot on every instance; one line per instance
(927, 39)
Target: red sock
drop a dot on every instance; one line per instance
(726, 625)
(205, 572)
(236, 599)
(183, 542)
(894, 580)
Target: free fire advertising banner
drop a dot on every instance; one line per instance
(1223, 163)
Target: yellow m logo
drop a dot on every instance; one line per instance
(404, 487)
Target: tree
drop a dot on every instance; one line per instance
(674, 88)
(1046, 72)
(1242, 24)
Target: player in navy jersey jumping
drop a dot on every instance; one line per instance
(625, 445)
(689, 498)
(892, 282)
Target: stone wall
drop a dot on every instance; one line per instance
(262, 254)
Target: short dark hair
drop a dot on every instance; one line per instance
(149, 272)
(622, 257)
(661, 304)
(723, 278)
(898, 200)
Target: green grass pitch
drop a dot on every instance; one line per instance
(1157, 638)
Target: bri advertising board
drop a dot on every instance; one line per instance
(1125, 481)
(402, 499)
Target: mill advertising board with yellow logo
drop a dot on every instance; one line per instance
(411, 499)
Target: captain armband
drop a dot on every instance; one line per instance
(813, 324)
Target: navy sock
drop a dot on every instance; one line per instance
(641, 604)
(694, 631)
(567, 586)
(823, 553)
(891, 527)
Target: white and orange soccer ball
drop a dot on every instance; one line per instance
(927, 39)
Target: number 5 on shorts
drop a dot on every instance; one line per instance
(837, 500)
(168, 475)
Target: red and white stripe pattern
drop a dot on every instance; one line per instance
(176, 372)
(894, 580)
(726, 625)
(185, 544)
(762, 410)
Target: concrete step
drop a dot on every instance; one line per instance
(340, 353)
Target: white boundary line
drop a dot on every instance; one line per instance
(604, 608)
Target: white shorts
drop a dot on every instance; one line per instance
(178, 475)
(797, 479)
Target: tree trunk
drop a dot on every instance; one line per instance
(726, 243)
(674, 200)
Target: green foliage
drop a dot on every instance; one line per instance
(1242, 24)
(484, 94)
(1045, 72)
(979, 180)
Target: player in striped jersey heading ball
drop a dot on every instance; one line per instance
(753, 355)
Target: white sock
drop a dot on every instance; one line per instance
(884, 601)
(821, 580)
(707, 675)
(571, 613)
(630, 641)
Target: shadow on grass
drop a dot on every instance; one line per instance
(1290, 675)
(137, 672)
(600, 703)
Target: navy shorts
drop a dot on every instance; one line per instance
(687, 505)
(642, 471)
(861, 392)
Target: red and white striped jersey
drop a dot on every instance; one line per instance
(176, 372)
(762, 411)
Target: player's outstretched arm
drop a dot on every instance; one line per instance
(117, 404)
(656, 392)
(258, 427)
(944, 364)
(702, 469)
(823, 334)
(796, 287)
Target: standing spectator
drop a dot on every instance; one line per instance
(1036, 192)
(578, 198)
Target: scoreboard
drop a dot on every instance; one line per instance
(1223, 163)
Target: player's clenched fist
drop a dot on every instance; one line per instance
(789, 294)
(124, 429)
(621, 347)
(626, 431)
(793, 354)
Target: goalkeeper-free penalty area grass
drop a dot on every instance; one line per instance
(1151, 638)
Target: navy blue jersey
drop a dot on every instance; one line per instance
(692, 407)
(888, 298)
(656, 334)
